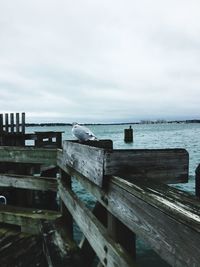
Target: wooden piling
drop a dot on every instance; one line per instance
(17, 122)
(12, 122)
(197, 181)
(23, 123)
(66, 215)
(1, 123)
(128, 135)
(6, 123)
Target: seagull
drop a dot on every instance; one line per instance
(82, 133)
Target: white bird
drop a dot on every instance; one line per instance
(82, 133)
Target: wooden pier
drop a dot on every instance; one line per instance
(133, 198)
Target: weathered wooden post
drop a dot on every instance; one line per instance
(66, 215)
(128, 135)
(197, 181)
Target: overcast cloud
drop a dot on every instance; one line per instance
(100, 60)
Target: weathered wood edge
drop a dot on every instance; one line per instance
(28, 155)
(108, 252)
(92, 166)
(58, 248)
(28, 182)
(120, 202)
(28, 219)
(163, 165)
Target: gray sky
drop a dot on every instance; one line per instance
(100, 60)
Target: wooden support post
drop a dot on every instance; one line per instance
(6, 122)
(87, 251)
(197, 181)
(23, 123)
(17, 122)
(57, 246)
(128, 135)
(1, 123)
(66, 215)
(12, 122)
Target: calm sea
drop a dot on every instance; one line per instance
(166, 135)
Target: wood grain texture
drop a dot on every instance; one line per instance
(164, 165)
(28, 219)
(167, 218)
(108, 251)
(28, 182)
(20, 249)
(28, 155)
(58, 248)
(85, 159)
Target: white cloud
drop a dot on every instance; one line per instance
(100, 60)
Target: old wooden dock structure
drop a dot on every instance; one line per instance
(133, 198)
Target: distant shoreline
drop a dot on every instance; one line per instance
(114, 123)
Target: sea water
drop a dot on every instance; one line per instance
(146, 136)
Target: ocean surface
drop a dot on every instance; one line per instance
(163, 135)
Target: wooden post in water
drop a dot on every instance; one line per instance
(128, 135)
(197, 181)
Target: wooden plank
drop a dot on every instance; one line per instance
(85, 159)
(1, 123)
(23, 122)
(109, 253)
(6, 123)
(28, 219)
(164, 165)
(197, 181)
(17, 122)
(12, 122)
(28, 182)
(58, 248)
(86, 250)
(66, 215)
(20, 249)
(28, 155)
(168, 219)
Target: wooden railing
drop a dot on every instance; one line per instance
(132, 199)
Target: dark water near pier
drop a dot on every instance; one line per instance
(166, 135)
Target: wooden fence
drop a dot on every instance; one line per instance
(132, 199)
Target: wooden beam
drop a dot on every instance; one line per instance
(28, 155)
(28, 182)
(163, 165)
(12, 122)
(23, 123)
(167, 218)
(109, 253)
(58, 248)
(66, 215)
(17, 122)
(197, 181)
(28, 219)
(85, 159)
(1, 123)
(6, 123)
